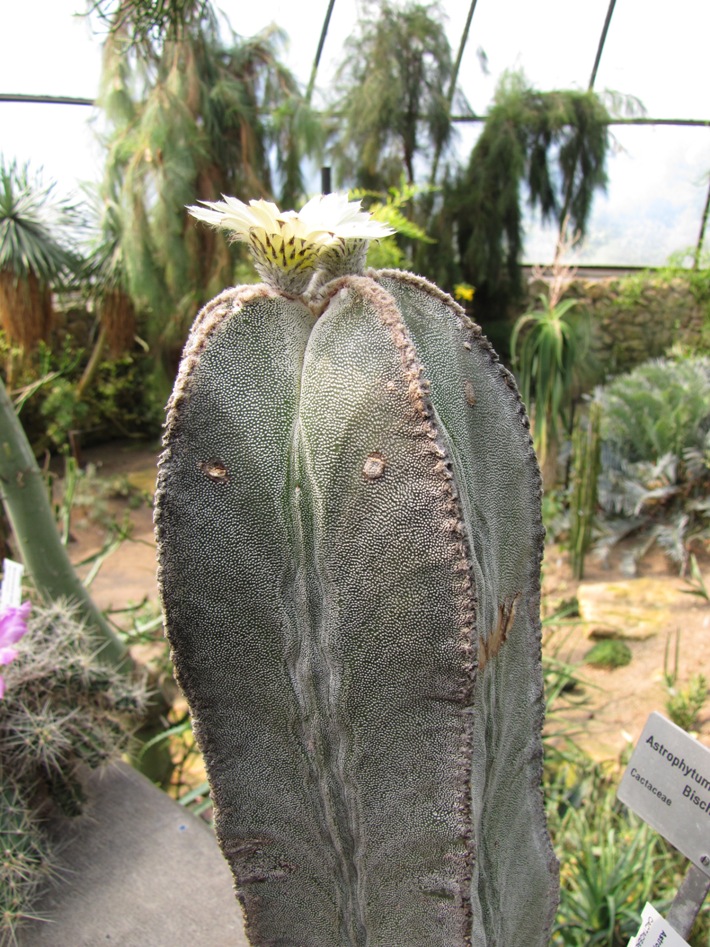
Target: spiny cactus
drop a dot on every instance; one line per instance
(23, 492)
(62, 709)
(350, 541)
(26, 858)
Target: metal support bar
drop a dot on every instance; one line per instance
(602, 40)
(688, 901)
(638, 120)
(45, 99)
(452, 86)
(459, 55)
(319, 51)
(701, 235)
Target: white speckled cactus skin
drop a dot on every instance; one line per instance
(348, 518)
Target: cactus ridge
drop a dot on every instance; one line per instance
(459, 692)
(348, 528)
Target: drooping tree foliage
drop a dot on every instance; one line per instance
(552, 145)
(150, 21)
(116, 308)
(190, 117)
(392, 104)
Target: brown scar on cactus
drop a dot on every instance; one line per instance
(490, 647)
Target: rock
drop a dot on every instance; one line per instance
(635, 609)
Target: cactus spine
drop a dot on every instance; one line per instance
(349, 541)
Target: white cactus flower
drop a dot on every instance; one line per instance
(288, 246)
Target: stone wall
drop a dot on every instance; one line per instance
(638, 317)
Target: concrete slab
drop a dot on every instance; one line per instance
(138, 870)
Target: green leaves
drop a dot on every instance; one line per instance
(552, 143)
(661, 407)
(389, 208)
(393, 88)
(548, 345)
(33, 226)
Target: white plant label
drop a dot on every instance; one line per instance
(655, 931)
(667, 783)
(11, 588)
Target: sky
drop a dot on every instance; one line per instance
(654, 52)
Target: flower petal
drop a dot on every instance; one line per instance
(335, 214)
(13, 623)
(287, 246)
(8, 654)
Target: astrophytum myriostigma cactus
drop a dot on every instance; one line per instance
(348, 517)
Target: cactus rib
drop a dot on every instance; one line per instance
(349, 543)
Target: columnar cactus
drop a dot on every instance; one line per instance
(348, 518)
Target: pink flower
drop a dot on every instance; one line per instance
(13, 625)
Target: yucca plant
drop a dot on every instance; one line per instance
(548, 346)
(36, 252)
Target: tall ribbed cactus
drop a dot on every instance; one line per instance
(348, 517)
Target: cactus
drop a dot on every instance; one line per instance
(586, 456)
(27, 859)
(24, 496)
(63, 709)
(348, 520)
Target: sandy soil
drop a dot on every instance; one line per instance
(606, 712)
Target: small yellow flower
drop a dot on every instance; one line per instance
(464, 291)
(288, 246)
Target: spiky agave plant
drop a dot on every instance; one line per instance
(348, 517)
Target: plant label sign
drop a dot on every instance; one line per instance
(11, 588)
(667, 783)
(655, 931)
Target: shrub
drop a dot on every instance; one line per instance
(661, 407)
(611, 862)
(656, 457)
(609, 654)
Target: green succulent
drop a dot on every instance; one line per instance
(348, 517)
